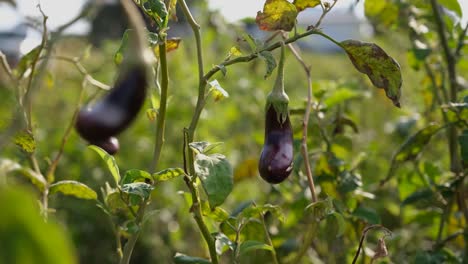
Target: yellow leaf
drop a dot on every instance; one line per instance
(303, 4)
(277, 15)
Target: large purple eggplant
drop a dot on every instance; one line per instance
(276, 159)
(115, 111)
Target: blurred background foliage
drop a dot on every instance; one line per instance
(363, 127)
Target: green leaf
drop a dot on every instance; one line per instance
(156, 9)
(218, 214)
(335, 224)
(136, 175)
(341, 95)
(253, 245)
(383, 11)
(216, 176)
(140, 189)
(25, 141)
(37, 179)
(383, 71)
(25, 237)
(270, 62)
(152, 38)
(203, 147)
(223, 243)
(425, 195)
(415, 143)
(452, 5)
(303, 4)
(260, 210)
(367, 214)
(321, 209)
(277, 15)
(25, 61)
(115, 203)
(463, 140)
(168, 174)
(110, 161)
(180, 258)
(73, 188)
(349, 181)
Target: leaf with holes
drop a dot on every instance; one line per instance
(277, 15)
(383, 71)
(73, 188)
(216, 176)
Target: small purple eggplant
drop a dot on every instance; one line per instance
(115, 112)
(276, 159)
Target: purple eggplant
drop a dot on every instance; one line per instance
(110, 145)
(115, 111)
(276, 159)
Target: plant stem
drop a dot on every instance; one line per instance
(140, 45)
(307, 241)
(267, 235)
(128, 248)
(305, 124)
(53, 166)
(191, 183)
(160, 127)
(250, 57)
(455, 164)
(452, 134)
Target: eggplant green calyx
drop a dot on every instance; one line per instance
(277, 98)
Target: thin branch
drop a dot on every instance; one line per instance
(455, 164)
(53, 166)
(270, 242)
(6, 67)
(196, 205)
(461, 42)
(305, 123)
(325, 10)
(363, 237)
(161, 122)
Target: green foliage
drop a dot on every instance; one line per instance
(110, 162)
(216, 176)
(354, 136)
(24, 236)
(73, 188)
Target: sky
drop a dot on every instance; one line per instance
(61, 11)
